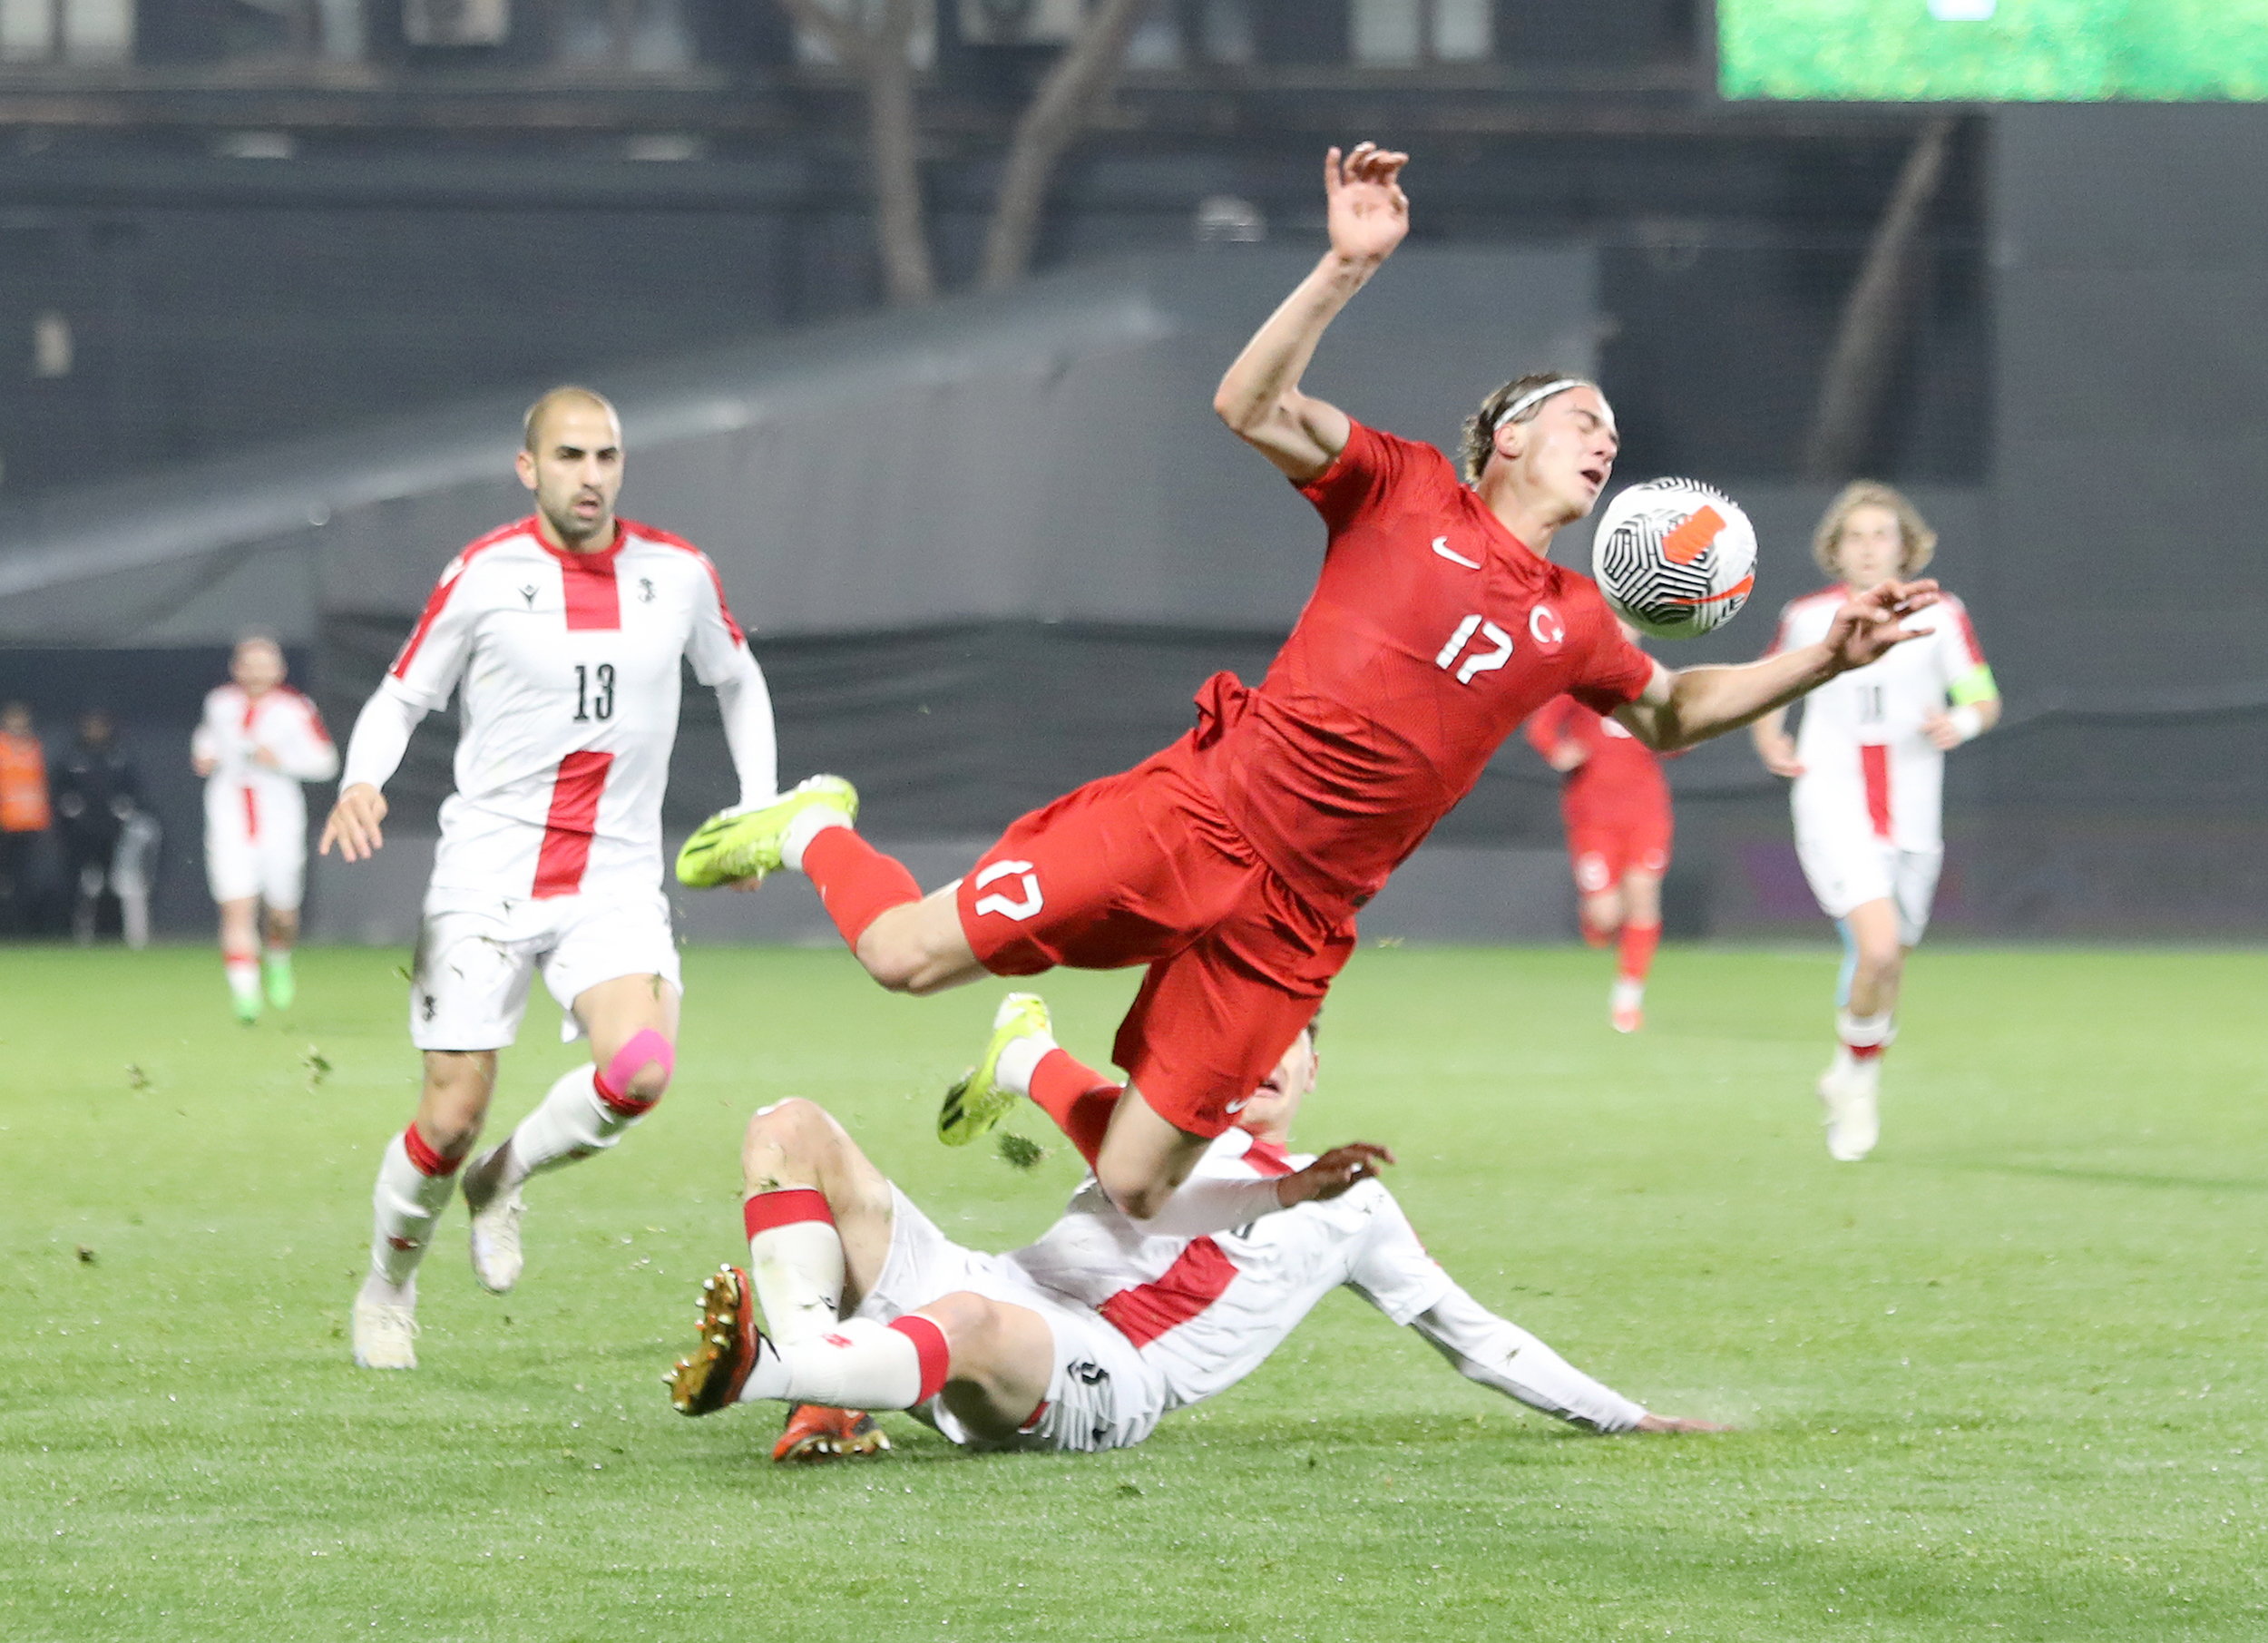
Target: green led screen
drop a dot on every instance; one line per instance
(2011, 50)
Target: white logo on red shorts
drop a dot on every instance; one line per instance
(996, 902)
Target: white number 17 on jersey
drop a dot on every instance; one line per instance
(1480, 661)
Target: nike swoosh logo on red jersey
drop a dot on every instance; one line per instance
(1237, 1106)
(1441, 547)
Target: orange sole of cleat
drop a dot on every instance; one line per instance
(815, 1434)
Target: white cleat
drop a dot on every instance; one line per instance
(1848, 1091)
(496, 1254)
(385, 1335)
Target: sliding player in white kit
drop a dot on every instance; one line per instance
(1086, 1339)
(565, 633)
(256, 740)
(1868, 765)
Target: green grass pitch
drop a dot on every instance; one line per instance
(2003, 1381)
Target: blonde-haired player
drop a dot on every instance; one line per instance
(1868, 766)
(256, 742)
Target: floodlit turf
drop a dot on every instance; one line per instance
(2005, 1380)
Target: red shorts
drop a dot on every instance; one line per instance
(1604, 845)
(1143, 868)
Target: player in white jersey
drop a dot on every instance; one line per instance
(1868, 766)
(256, 740)
(1087, 1338)
(563, 635)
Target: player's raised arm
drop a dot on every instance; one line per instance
(1689, 705)
(1260, 396)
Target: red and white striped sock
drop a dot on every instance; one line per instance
(414, 1186)
(571, 1122)
(1865, 1037)
(857, 883)
(858, 1364)
(242, 969)
(794, 1262)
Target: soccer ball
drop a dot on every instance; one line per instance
(1674, 557)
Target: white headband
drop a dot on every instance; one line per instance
(1535, 396)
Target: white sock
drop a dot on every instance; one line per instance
(243, 975)
(806, 825)
(858, 1364)
(1865, 1031)
(797, 1270)
(1020, 1058)
(570, 1123)
(405, 1207)
(376, 1288)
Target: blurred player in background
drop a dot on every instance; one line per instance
(1232, 864)
(109, 838)
(257, 741)
(26, 820)
(1868, 766)
(1085, 1339)
(1616, 807)
(566, 632)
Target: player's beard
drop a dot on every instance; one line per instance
(574, 530)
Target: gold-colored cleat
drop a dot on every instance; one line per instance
(731, 1343)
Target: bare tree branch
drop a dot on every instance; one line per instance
(900, 227)
(1858, 372)
(1067, 99)
(873, 48)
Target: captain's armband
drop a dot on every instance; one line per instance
(1973, 687)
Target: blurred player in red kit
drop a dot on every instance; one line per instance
(1232, 864)
(1616, 807)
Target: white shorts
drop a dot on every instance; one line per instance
(271, 865)
(1847, 871)
(469, 985)
(1100, 1393)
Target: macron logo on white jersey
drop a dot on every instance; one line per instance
(1441, 547)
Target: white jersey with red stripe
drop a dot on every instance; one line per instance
(568, 666)
(248, 798)
(1869, 771)
(1205, 1312)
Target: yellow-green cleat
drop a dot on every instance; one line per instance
(275, 970)
(745, 842)
(980, 1100)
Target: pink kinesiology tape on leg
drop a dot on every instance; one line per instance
(646, 1049)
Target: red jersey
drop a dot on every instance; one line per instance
(1620, 774)
(1431, 633)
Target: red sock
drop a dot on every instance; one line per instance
(856, 882)
(1638, 941)
(1078, 1098)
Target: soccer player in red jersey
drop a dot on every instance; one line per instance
(1616, 807)
(1232, 864)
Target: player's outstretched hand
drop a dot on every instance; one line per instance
(1663, 1422)
(353, 824)
(1368, 213)
(1336, 1171)
(1871, 622)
